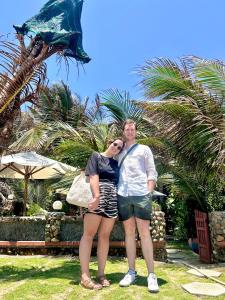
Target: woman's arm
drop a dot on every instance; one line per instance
(94, 182)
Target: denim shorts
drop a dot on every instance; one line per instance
(135, 206)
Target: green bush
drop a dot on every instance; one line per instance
(35, 209)
(177, 209)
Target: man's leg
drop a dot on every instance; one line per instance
(146, 243)
(130, 242)
(147, 250)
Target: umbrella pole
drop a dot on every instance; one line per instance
(25, 199)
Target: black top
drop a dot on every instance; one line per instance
(107, 168)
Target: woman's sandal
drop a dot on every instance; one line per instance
(103, 281)
(90, 284)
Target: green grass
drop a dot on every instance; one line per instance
(58, 278)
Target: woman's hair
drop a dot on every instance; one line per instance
(110, 141)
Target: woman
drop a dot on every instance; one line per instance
(103, 172)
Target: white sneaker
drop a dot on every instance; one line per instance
(153, 286)
(128, 279)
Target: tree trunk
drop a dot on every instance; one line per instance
(28, 62)
(6, 129)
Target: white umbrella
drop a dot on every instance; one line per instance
(30, 165)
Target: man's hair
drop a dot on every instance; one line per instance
(129, 122)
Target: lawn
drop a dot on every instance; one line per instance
(58, 278)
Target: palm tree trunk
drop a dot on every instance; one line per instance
(6, 129)
(27, 63)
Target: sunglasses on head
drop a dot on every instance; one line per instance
(117, 145)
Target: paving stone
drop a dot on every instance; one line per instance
(206, 289)
(207, 272)
(175, 256)
(172, 251)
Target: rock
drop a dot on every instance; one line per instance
(220, 238)
(54, 240)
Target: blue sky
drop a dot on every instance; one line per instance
(120, 35)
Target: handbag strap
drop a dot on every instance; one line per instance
(122, 160)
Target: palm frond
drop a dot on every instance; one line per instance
(18, 79)
(165, 79)
(65, 182)
(121, 106)
(211, 74)
(98, 135)
(32, 140)
(192, 117)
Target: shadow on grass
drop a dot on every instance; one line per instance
(67, 270)
(116, 277)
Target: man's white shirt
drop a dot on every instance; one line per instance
(137, 168)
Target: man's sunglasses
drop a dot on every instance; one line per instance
(116, 145)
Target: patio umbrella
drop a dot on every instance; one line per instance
(30, 165)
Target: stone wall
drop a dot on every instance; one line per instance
(56, 227)
(22, 228)
(217, 232)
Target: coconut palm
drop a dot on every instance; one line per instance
(58, 103)
(56, 29)
(22, 73)
(59, 112)
(190, 115)
(122, 107)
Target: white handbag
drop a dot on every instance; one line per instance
(80, 191)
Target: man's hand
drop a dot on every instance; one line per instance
(93, 204)
(151, 186)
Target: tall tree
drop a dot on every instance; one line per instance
(56, 29)
(190, 117)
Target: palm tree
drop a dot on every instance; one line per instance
(22, 73)
(58, 103)
(56, 29)
(190, 117)
(58, 112)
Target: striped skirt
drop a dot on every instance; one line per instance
(108, 201)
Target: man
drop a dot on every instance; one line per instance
(136, 184)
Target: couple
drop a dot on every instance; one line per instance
(121, 189)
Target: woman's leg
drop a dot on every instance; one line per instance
(91, 224)
(105, 229)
